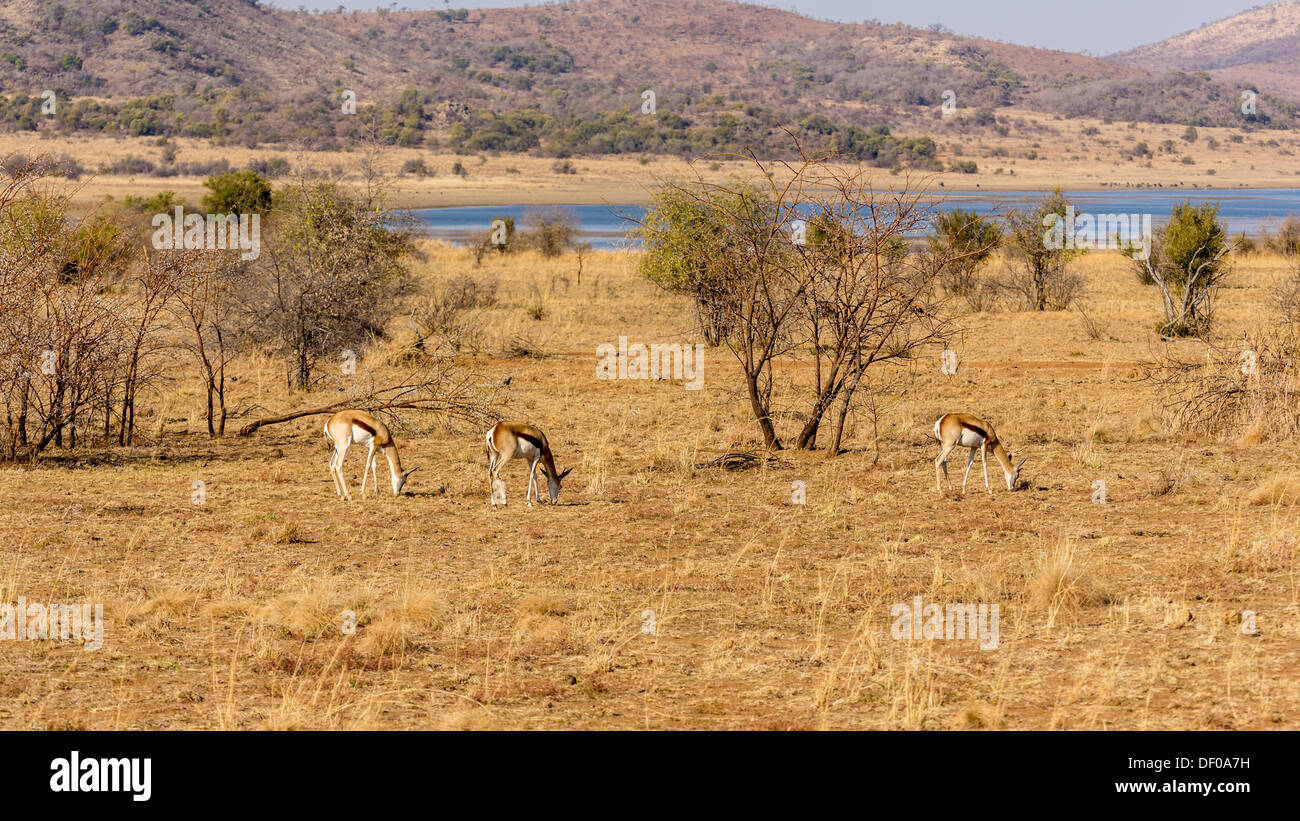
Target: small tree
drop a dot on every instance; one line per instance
(966, 240)
(205, 303)
(870, 301)
(329, 277)
(1038, 260)
(1187, 263)
(728, 245)
(238, 192)
(1287, 239)
(682, 237)
(553, 231)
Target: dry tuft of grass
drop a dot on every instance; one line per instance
(161, 613)
(545, 604)
(1057, 585)
(1278, 489)
(542, 619)
(979, 716)
(1163, 482)
(289, 533)
(398, 629)
(1085, 455)
(318, 611)
(469, 718)
(1255, 434)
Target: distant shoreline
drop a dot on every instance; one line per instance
(604, 193)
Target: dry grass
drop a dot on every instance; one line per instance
(660, 594)
(1276, 490)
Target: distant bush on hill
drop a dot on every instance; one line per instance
(1196, 99)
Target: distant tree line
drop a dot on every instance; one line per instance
(415, 119)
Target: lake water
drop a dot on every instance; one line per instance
(607, 226)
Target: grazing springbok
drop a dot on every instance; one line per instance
(505, 441)
(348, 427)
(961, 429)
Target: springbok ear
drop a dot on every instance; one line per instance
(409, 472)
(1022, 463)
(566, 472)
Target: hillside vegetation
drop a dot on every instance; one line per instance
(583, 78)
(1259, 46)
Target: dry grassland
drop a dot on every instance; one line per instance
(766, 614)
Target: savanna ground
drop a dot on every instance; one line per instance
(766, 614)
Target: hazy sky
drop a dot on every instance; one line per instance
(1096, 26)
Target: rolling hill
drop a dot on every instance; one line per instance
(1259, 47)
(561, 79)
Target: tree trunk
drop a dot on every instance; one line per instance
(850, 387)
(837, 432)
(761, 413)
(212, 389)
(221, 401)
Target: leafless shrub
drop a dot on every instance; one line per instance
(1093, 325)
(449, 315)
(1218, 388)
(206, 304)
(523, 347)
(79, 315)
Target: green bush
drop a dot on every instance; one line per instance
(966, 239)
(238, 192)
(1188, 261)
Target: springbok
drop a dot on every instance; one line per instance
(505, 441)
(348, 427)
(961, 429)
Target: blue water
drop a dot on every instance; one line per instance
(606, 226)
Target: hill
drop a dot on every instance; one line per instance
(1259, 48)
(563, 79)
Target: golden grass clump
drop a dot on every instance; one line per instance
(979, 716)
(162, 613)
(1278, 489)
(396, 629)
(318, 611)
(1058, 585)
(542, 618)
(289, 533)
